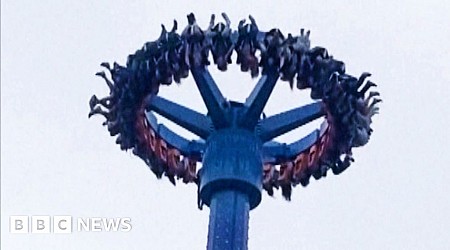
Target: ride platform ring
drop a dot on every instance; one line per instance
(342, 100)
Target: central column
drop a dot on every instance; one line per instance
(230, 184)
(228, 220)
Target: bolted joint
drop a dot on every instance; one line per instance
(232, 161)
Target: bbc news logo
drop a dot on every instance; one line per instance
(24, 224)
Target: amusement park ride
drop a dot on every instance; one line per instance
(236, 148)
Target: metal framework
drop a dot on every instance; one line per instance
(236, 144)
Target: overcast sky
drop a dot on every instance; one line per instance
(54, 161)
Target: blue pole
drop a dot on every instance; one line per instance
(230, 184)
(228, 221)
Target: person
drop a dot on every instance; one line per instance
(106, 102)
(173, 53)
(246, 46)
(168, 64)
(221, 41)
(288, 60)
(285, 178)
(271, 48)
(270, 178)
(196, 53)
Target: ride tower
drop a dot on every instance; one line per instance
(236, 147)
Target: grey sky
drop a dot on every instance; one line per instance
(55, 161)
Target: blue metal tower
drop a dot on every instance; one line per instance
(236, 144)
